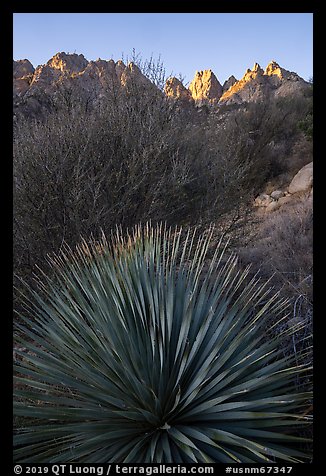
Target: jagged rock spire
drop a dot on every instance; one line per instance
(205, 87)
(176, 90)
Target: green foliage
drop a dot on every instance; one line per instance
(143, 350)
(306, 125)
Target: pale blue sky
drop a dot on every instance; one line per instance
(227, 43)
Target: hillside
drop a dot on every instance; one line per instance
(103, 143)
(103, 147)
(95, 79)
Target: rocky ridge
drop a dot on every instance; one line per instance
(101, 76)
(73, 71)
(256, 84)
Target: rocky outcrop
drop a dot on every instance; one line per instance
(257, 84)
(277, 194)
(68, 63)
(253, 73)
(300, 186)
(274, 69)
(22, 68)
(132, 76)
(303, 180)
(99, 74)
(23, 71)
(101, 77)
(61, 68)
(250, 87)
(35, 90)
(176, 90)
(229, 83)
(205, 87)
(75, 70)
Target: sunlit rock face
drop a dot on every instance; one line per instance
(205, 87)
(93, 80)
(76, 70)
(174, 89)
(274, 69)
(68, 63)
(257, 84)
(72, 74)
(246, 89)
(254, 73)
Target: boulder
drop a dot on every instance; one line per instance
(277, 194)
(263, 200)
(303, 180)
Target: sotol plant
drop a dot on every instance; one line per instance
(148, 351)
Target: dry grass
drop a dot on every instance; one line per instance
(282, 252)
(283, 247)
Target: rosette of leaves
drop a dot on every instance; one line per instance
(155, 348)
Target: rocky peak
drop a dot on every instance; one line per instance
(22, 68)
(132, 76)
(274, 68)
(103, 64)
(256, 67)
(176, 90)
(248, 86)
(229, 82)
(257, 84)
(100, 68)
(70, 63)
(205, 86)
(253, 73)
(23, 71)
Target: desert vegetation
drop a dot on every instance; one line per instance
(143, 353)
(137, 156)
(83, 168)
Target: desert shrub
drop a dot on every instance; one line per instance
(134, 157)
(140, 350)
(77, 172)
(306, 123)
(259, 137)
(282, 251)
(86, 163)
(283, 246)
